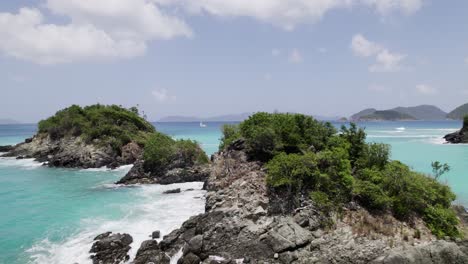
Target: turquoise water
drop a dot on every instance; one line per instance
(51, 215)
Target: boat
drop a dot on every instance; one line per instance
(202, 125)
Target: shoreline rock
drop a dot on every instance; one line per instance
(241, 224)
(460, 136)
(73, 152)
(111, 248)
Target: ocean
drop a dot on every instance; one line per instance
(51, 215)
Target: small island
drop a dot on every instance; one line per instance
(109, 135)
(460, 136)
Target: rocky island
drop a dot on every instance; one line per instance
(285, 188)
(460, 136)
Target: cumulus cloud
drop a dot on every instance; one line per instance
(289, 13)
(386, 61)
(387, 6)
(98, 29)
(363, 47)
(123, 28)
(163, 96)
(295, 56)
(426, 89)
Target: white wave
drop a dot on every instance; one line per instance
(28, 164)
(400, 129)
(146, 211)
(401, 136)
(124, 168)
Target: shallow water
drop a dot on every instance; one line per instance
(52, 215)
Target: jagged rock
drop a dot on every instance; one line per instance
(172, 191)
(6, 148)
(439, 252)
(137, 174)
(245, 220)
(156, 234)
(460, 136)
(150, 252)
(111, 248)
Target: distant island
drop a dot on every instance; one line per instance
(220, 118)
(232, 118)
(420, 112)
(459, 113)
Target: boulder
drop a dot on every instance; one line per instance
(6, 148)
(156, 234)
(172, 191)
(111, 248)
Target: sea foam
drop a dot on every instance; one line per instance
(149, 210)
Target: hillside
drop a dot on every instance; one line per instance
(387, 115)
(423, 112)
(220, 118)
(88, 137)
(362, 113)
(459, 112)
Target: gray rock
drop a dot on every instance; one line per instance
(156, 234)
(172, 191)
(111, 248)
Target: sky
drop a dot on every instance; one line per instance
(215, 57)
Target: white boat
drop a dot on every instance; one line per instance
(400, 128)
(202, 125)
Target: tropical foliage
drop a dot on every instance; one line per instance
(303, 156)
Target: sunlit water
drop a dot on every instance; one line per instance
(52, 215)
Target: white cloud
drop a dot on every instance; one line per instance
(385, 7)
(163, 96)
(98, 29)
(363, 47)
(288, 14)
(107, 29)
(386, 61)
(267, 77)
(464, 92)
(295, 56)
(466, 60)
(426, 89)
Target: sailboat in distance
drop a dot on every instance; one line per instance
(202, 124)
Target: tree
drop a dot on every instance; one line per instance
(439, 169)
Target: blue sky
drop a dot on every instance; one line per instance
(212, 57)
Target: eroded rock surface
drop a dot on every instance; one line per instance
(111, 248)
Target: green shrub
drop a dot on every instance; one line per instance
(268, 134)
(229, 134)
(161, 151)
(306, 158)
(158, 152)
(442, 221)
(101, 124)
(371, 196)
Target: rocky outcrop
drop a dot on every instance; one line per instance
(242, 224)
(460, 136)
(73, 152)
(457, 137)
(174, 174)
(6, 148)
(111, 248)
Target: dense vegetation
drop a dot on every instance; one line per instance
(99, 124)
(459, 112)
(304, 157)
(161, 152)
